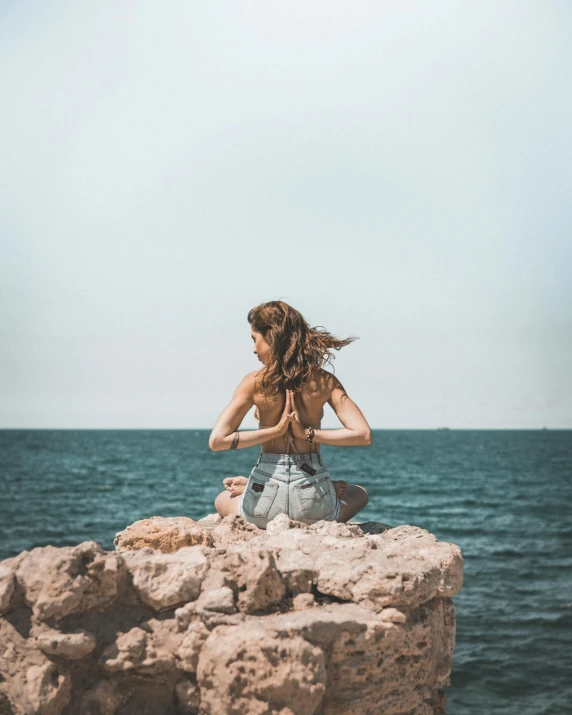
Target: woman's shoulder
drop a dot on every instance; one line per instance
(250, 377)
(327, 380)
(250, 381)
(246, 385)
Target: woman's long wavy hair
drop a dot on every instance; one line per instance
(295, 348)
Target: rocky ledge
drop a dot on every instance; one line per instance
(218, 617)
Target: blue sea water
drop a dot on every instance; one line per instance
(503, 496)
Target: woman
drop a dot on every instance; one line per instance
(289, 393)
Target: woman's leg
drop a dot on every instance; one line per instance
(356, 498)
(226, 504)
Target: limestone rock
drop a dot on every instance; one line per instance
(233, 531)
(188, 695)
(103, 699)
(256, 578)
(165, 534)
(192, 612)
(163, 581)
(210, 520)
(127, 653)
(29, 682)
(405, 568)
(48, 690)
(218, 599)
(57, 582)
(326, 619)
(143, 650)
(251, 669)
(7, 586)
(67, 645)
(282, 522)
(190, 648)
(303, 600)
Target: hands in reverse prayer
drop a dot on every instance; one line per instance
(290, 418)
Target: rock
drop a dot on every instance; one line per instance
(167, 580)
(297, 570)
(67, 645)
(371, 527)
(188, 695)
(7, 586)
(165, 534)
(102, 699)
(256, 577)
(251, 669)
(282, 522)
(219, 599)
(337, 530)
(232, 531)
(373, 666)
(405, 568)
(57, 582)
(127, 653)
(188, 653)
(143, 650)
(392, 615)
(210, 520)
(192, 612)
(48, 690)
(327, 619)
(303, 600)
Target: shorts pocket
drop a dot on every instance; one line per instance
(264, 474)
(259, 496)
(317, 496)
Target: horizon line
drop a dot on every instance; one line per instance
(375, 429)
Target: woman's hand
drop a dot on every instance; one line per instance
(287, 415)
(298, 429)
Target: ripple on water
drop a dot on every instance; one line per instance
(503, 497)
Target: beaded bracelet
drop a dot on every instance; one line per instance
(310, 436)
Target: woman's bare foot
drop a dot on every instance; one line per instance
(341, 488)
(235, 485)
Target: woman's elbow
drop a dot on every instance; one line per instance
(367, 438)
(214, 445)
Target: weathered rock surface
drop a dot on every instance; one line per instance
(166, 534)
(68, 645)
(218, 617)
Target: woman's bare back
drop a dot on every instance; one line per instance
(309, 404)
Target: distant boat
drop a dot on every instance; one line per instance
(441, 429)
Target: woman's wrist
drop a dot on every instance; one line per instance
(298, 431)
(276, 431)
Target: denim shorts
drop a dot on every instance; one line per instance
(278, 485)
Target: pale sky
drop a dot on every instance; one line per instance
(397, 171)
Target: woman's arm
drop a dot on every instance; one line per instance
(356, 431)
(223, 434)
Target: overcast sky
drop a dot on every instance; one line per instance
(397, 171)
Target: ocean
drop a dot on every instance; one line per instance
(504, 496)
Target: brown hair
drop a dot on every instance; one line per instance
(295, 348)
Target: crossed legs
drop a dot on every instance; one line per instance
(356, 497)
